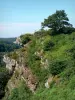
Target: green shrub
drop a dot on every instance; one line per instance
(25, 38)
(59, 50)
(41, 33)
(57, 67)
(34, 63)
(14, 95)
(68, 73)
(20, 93)
(48, 44)
(72, 83)
(13, 55)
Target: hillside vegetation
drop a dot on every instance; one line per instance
(50, 54)
(56, 60)
(6, 45)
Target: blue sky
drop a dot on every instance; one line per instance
(25, 16)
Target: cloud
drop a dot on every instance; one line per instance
(16, 29)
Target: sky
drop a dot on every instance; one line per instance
(25, 16)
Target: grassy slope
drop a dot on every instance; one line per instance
(61, 61)
(64, 50)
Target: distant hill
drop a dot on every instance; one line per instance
(7, 45)
(8, 39)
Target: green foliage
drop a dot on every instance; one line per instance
(20, 93)
(48, 44)
(72, 83)
(13, 55)
(25, 38)
(58, 53)
(7, 46)
(1, 59)
(34, 63)
(67, 30)
(61, 92)
(58, 22)
(68, 72)
(14, 95)
(57, 67)
(41, 33)
(4, 77)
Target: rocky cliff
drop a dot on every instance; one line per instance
(20, 72)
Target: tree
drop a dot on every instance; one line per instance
(57, 21)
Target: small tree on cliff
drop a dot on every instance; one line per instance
(58, 21)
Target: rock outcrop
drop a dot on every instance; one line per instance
(10, 63)
(48, 82)
(18, 41)
(20, 72)
(51, 80)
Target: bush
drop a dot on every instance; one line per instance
(13, 55)
(68, 73)
(20, 93)
(72, 82)
(25, 38)
(14, 95)
(41, 33)
(48, 44)
(57, 67)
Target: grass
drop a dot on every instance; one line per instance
(61, 58)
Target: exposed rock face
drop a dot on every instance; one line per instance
(10, 63)
(20, 72)
(18, 41)
(55, 80)
(44, 62)
(30, 79)
(48, 82)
